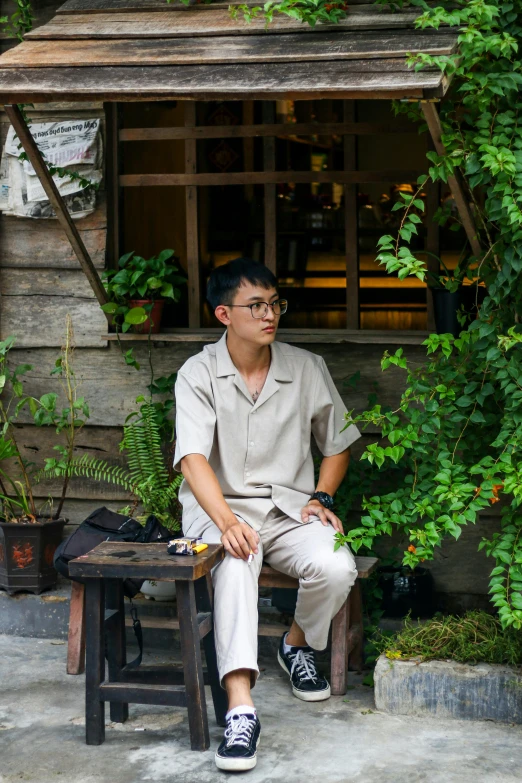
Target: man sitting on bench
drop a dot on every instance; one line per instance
(246, 408)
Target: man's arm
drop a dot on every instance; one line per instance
(331, 473)
(238, 538)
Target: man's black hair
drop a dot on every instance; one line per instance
(225, 280)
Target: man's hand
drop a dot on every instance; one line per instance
(325, 515)
(239, 539)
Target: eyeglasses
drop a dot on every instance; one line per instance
(260, 309)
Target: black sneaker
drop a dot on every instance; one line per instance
(299, 663)
(238, 749)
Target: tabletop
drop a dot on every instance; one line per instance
(117, 560)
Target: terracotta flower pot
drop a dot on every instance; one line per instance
(154, 315)
(26, 554)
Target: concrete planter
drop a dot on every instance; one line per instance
(448, 689)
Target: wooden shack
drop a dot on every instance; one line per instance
(224, 138)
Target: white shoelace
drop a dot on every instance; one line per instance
(304, 663)
(239, 731)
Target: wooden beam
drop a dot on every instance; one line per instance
(432, 245)
(191, 222)
(351, 224)
(113, 186)
(290, 48)
(431, 115)
(35, 157)
(268, 177)
(248, 144)
(251, 130)
(269, 165)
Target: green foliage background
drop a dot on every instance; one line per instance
(456, 433)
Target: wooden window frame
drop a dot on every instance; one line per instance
(350, 176)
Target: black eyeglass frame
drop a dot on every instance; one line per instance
(268, 304)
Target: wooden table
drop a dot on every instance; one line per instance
(104, 569)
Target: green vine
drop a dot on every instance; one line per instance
(455, 435)
(19, 22)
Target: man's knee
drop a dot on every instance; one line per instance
(336, 570)
(234, 573)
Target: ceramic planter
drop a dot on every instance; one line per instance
(26, 555)
(154, 315)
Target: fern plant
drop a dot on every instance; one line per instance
(146, 475)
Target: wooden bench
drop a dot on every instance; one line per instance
(347, 625)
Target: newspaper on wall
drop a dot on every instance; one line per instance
(75, 145)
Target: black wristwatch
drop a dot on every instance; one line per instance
(324, 499)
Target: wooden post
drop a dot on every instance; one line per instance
(351, 224)
(248, 147)
(269, 164)
(431, 115)
(113, 185)
(35, 157)
(339, 663)
(432, 245)
(76, 638)
(192, 666)
(191, 221)
(95, 661)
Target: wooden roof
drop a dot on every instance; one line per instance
(131, 50)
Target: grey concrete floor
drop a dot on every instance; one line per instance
(340, 740)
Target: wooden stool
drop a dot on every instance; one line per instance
(347, 631)
(104, 569)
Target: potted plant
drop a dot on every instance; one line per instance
(30, 534)
(138, 290)
(147, 476)
(447, 292)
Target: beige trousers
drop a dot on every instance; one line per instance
(304, 551)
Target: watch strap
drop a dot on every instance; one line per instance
(325, 499)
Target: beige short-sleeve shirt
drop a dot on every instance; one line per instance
(260, 452)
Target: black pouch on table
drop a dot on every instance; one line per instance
(106, 525)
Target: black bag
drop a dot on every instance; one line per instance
(106, 525)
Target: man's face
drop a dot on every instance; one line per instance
(252, 323)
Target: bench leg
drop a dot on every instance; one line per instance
(76, 639)
(192, 665)
(356, 618)
(115, 639)
(339, 663)
(219, 696)
(94, 661)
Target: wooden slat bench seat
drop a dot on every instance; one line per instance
(347, 626)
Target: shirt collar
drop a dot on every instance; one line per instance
(278, 365)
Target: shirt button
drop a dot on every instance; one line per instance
(248, 474)
(251, 442)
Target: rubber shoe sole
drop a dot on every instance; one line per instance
(236, 764)
(306, 695)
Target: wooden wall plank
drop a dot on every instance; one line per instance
(217, 21)
(36, 445)
(111, 387)
(374, 79)
(259, 48)
(40, 320)
(38, 243)
(119, 6)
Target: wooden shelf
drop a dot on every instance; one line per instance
(320, 336)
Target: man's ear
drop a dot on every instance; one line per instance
(222, 315)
